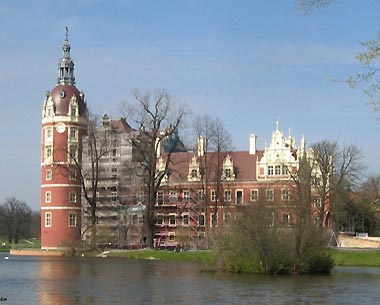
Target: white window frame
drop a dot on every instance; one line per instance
(48, 196)
(227, 195)
(73, 197)
(204, 220)
(212, 217)
(73, 175)
(48, 219)
(72, 220)
(171, 217)
(49, 174)
(285, 194)
(213, 195)
(241, 198)
(270, 170)
(186, 216)
(269, 195)
(254, 197)
(161, 218)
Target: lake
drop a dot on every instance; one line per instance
(108, 281)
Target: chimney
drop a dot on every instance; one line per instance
(201, 146)
(252, 144)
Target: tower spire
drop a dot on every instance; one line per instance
(66, 64)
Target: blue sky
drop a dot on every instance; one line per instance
(246, 62)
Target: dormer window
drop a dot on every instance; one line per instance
(228, 169)
(73, 111)
(193, 170)
(227, 173)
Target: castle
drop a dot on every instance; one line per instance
(203, 193)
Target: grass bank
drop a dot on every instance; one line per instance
(355, 257)
(206, 257)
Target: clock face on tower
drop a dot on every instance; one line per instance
(61, 127)
(62, 94)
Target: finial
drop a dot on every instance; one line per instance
(66, 33)
(277, 124)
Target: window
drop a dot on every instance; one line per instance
(214, 220)
(277, 170)
(227, 173)
(49, 112)
(171, 236)
(270, 170)
(239, 197)
(270, 194)
(114, 152)
(285, 170)
(194, 173)
(227, 218)
(73, 111)
(114, 195)
(227, 195)
(135, 219)
(271, 220)
(73, 133)
(186, 195)
(213, 195)
(49, 133)
(49, 151)
(285, 218)
(159, 220)
(254, 195)
(73, 152)
(173, 196)
(48, 219)
(317, 202)
(73, 197)
(201, 195)
(49, 174)
(73, 175)
(185, 220)
(285, 194)
(172, 220)
(72, 220)
(160, 198)
(201, 220)
(48, 196)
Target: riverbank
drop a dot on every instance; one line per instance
(341, 257)
(207, 257)
(355, 257)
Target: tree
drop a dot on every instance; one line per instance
(16, 219)
(336, 171)
(157, 116)
(256, 243)
(307, 6)
(367, 80)
(215, 142)
(96, 145)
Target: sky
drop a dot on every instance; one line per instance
(248, 63)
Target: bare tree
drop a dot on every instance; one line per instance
(157, 116)
(336, 172)
(16, 219)
(367, 80)
(306, 6)
(96, 145)
(216, 143)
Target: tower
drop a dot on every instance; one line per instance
(64, 124)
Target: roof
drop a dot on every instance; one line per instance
(61, 96)
(244, 164)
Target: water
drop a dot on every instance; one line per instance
(108, 281)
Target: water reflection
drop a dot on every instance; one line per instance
(61, 281)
